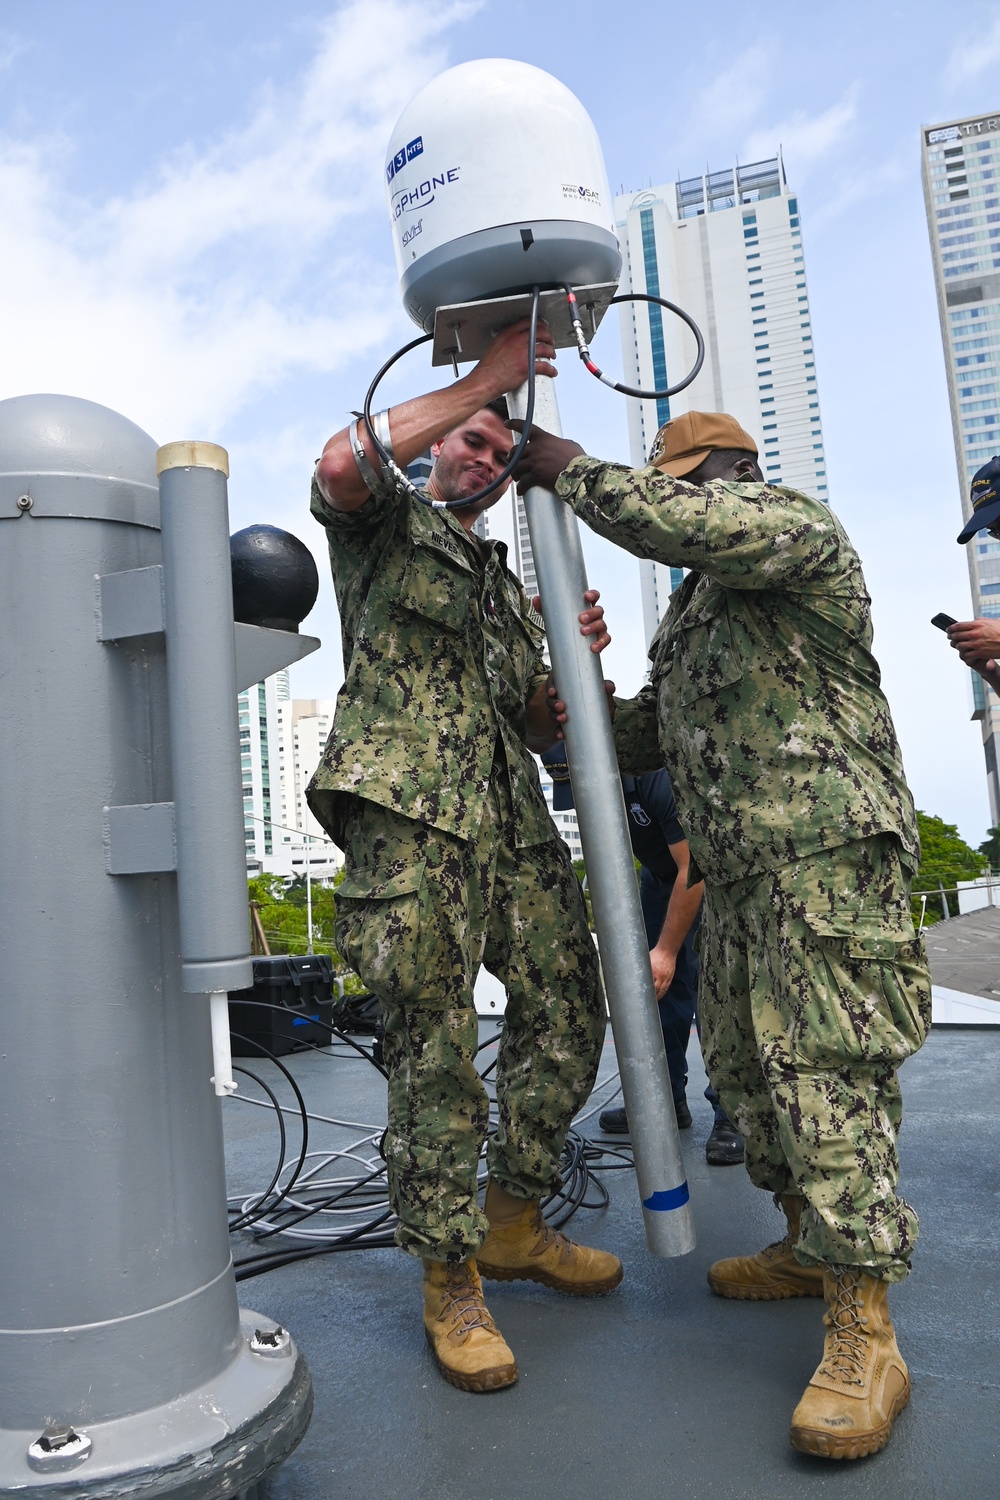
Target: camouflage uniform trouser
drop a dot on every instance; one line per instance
(814, 991)
(433, 907)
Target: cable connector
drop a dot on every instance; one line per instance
(583, 347)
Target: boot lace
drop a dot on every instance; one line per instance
(781, 1249)
(847, 1343)
(463, 1300)
(548, 1236)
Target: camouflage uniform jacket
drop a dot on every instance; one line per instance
(763, 690)
(441, 655)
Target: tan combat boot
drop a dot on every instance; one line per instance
(862, 1384)
(773, 1273)
(522, 1247)
(469, 1349)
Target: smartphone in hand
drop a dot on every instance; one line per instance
(943, 621)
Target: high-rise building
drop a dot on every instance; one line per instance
(257, 716)
(281, 741)
(523, 561)
(727, 248)
(961, 176)
(566, 823)
(302, 729)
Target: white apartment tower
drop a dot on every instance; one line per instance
(727, 248)
(961, 175)
(258, 707)
(302, 728)
(281, 741)
(508, 523)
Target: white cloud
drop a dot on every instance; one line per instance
(178, 302)
(726, 105)
(974, 54)
(847, 190)
(804, 138)
(11, 48)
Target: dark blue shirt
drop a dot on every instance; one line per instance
(652, 822)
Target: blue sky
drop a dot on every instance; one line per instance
(193, 232)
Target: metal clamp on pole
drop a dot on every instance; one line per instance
(600, 806)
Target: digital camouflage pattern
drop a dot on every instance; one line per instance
(441, 655)
(764, 691)
(814, 991)
(765, 704)
(452, 859)
(417, 911)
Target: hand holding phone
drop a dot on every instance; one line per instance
(943, 621)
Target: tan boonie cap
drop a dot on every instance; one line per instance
(682, 444)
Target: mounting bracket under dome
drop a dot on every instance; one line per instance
(463, 331)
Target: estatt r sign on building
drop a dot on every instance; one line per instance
(969, 127)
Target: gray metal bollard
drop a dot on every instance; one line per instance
(126, 1364)
(600, 806)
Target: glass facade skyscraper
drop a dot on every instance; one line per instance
(727, 247)
(961, 177)
(255, 759)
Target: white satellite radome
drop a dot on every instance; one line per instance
(496, 183)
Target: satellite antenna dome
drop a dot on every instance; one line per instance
(495, 183)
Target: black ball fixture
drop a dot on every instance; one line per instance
(275, 580)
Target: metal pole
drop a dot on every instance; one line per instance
(600, 806)
(204, 723)
(309, 901)
(204, 733)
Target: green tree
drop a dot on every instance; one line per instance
(296, 893)
(266, 888)
(945, 859)
(991, 848)
(283, 917)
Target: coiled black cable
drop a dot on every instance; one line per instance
(583, 348)
(249, 1215)
(390, 465)
(579, 1186)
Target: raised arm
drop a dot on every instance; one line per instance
(746, 535)
(415, 425)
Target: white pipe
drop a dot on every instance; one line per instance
(222, 1056)
(309, 901)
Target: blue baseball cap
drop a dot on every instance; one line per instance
(985, 496)
(554, 761)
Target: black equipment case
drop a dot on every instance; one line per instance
(289, 1004)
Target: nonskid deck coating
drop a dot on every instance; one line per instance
(660, 1388)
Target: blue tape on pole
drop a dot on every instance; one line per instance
(672, 1198)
